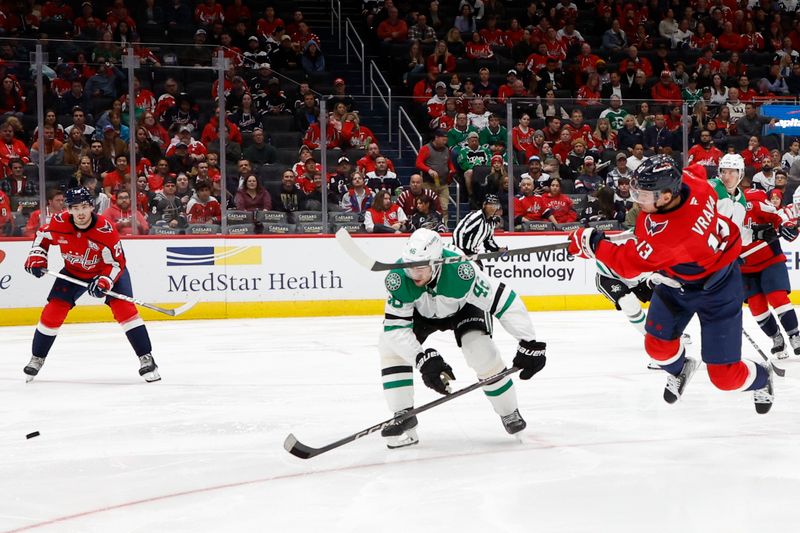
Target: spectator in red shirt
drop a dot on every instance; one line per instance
(208, 13)
(589, 94)
(755, 154)
(11, 101)
(266, 26)
(367, 163)
(441, 60)
(477, 48)
(559, 205)
(638, 63)
(393, 29)
(705, 153)
(123, 217)
(666, 91)
(425, 88)
(729, 40)
(211, 131)
(203, 208)
(11, 148)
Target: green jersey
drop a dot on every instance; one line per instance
(467, 158)
(488, 138)
(732, 206)
(615, 118)
(457, 285)
(692, 97)
(456, 137)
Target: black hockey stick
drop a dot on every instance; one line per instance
(171, 312)
(298, 449)
(780, 371)
(357, 254)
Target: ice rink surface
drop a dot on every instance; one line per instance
(202, 450)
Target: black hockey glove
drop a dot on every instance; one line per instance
(789, 231)
(643, 291)
(530, 358)
(436, 374)
(764, 232)
(99, 286)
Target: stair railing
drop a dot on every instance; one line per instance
(401, 132)
(351, 37)
(374, 77)
(336, 14)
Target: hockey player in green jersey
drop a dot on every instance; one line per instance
(731, 202)
(454, 297)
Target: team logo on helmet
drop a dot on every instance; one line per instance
(465, 271)
(393, 281)
(654, 228)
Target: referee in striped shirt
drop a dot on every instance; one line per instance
(475, 232)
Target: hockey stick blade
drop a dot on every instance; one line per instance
(359, 256)
(171, 312)
(298, 449)
(778, 370)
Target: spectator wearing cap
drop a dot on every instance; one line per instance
(254, 55)
(339, 180)
(258, 151)
(166, 207)
(436, 167)
(112, 144)
(622, 193)
(195, 149)
(535, 173)
(507, 89)
(259, 82)
(425, 88)
(494, 180)
(303, 154)
(571, 164)
(619, 171)
(666, 92)
(469, 156)
(382, 178)
(485, 87)
(690, 93)
(435, 105)
(198, 54)
(368, 163)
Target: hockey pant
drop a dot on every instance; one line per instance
(472, 328)
(771, 287)
(62, 299)
(718, 305)
(625, 298)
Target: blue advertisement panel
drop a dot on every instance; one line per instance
(787, 117)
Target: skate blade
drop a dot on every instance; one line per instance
(409, 438)
(150, 377)
(781, 355)
(28, 378)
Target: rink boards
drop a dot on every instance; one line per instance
(284, 276)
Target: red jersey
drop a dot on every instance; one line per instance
(755, 159)
(203, 213)
(95, 251)
(688, 243)
(560, 207)
(533, 207)
(700, 156)
(523, 141)
(5, 209)
(761, 211)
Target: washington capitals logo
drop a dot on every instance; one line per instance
(654, 228)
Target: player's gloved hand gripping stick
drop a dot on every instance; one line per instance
(97, 288)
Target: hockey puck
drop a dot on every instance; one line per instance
(31, 435)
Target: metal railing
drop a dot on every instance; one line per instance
(350, 34)
(401, 132)
(336, 15)
(375, 88)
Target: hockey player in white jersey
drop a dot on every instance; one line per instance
(454, 297)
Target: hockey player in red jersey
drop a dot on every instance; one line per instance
(681, 235)
(766, 278)
(93, 253)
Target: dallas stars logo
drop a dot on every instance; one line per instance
(465, 271)
(393, 281)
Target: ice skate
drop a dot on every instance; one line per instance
(764, 396)
(32, 368)
(686, 339)
(401, 434)
(652, 365)
(514, 423)
(676, 384)
(148, 368)
(779, 346)
(794, 340)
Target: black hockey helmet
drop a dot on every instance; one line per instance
(655, 175)
(78, 195)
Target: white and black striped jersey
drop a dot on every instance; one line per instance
(475, 234)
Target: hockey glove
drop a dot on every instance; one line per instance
(99, 286)
(36, 263)
(436, 374)
(583, 242)
(643, 291)
(530, 358)
(764, 232)
(789, 231)
(660, 279)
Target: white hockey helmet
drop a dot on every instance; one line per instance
(734, 161)
(423, 245)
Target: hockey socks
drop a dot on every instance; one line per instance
(398, 387)
(53, 316)
(632, 308)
